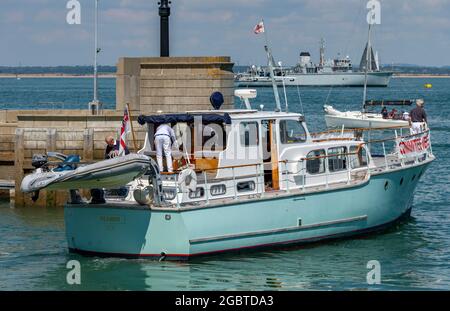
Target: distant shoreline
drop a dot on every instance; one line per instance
(54, 75)
(113, 75)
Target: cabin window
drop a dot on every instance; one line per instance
(197, 194)
(218, 190)
(337, 159)
(315, 163)
(292, 132)
(249, 133)
(246, 186)
(358, 157)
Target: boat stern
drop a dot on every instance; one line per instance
(121, 231)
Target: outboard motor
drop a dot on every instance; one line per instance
(39, 160)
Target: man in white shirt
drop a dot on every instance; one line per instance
(164, 138)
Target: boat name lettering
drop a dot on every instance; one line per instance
(114, 219)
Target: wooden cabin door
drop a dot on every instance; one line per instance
(270, 154)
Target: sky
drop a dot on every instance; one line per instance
(35, 32)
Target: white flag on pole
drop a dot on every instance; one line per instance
(259, 28)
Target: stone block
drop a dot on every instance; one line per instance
(29, 144)
(35, 135)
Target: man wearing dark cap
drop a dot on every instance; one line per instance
(418, 118)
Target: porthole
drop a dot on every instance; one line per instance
(401, 181)
(386, 185)
(169, 193)
(245, 186)
(197, 194)
(218, 189)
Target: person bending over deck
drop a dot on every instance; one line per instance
(164, 138)
(418, 118)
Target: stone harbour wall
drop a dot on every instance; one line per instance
(80, 134)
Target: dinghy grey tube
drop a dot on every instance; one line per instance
(115, 172)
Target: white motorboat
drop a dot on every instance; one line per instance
(364, 118)
(360, 119)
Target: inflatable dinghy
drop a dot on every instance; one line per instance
(111, 173)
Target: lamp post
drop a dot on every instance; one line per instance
(95, 105)
(164, 13)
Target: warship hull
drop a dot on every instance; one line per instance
(374, 79)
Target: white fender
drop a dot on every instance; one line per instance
(144, 195)
(187, 180)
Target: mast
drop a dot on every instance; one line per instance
(95, 54)
(95, 104)
(284, 87)
(368, 61)
(272, 75)
(322, 52)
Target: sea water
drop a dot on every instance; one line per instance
(413, 255)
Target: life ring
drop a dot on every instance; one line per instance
(187, 180)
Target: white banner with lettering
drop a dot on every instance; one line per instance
(413, 146)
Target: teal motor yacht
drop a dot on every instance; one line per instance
(243, 180)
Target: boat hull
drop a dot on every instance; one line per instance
(374, 79)
(354, 122)
(128, 231)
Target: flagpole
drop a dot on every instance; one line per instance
(95, 54)
(368, 63)
(266, 38)
(132, 129)
(272, 74)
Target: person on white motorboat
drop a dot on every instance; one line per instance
(393, 114)
(418, 118)
(164, 139)
(384, 113)
(405, 116)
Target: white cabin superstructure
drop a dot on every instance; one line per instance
(263, 152)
